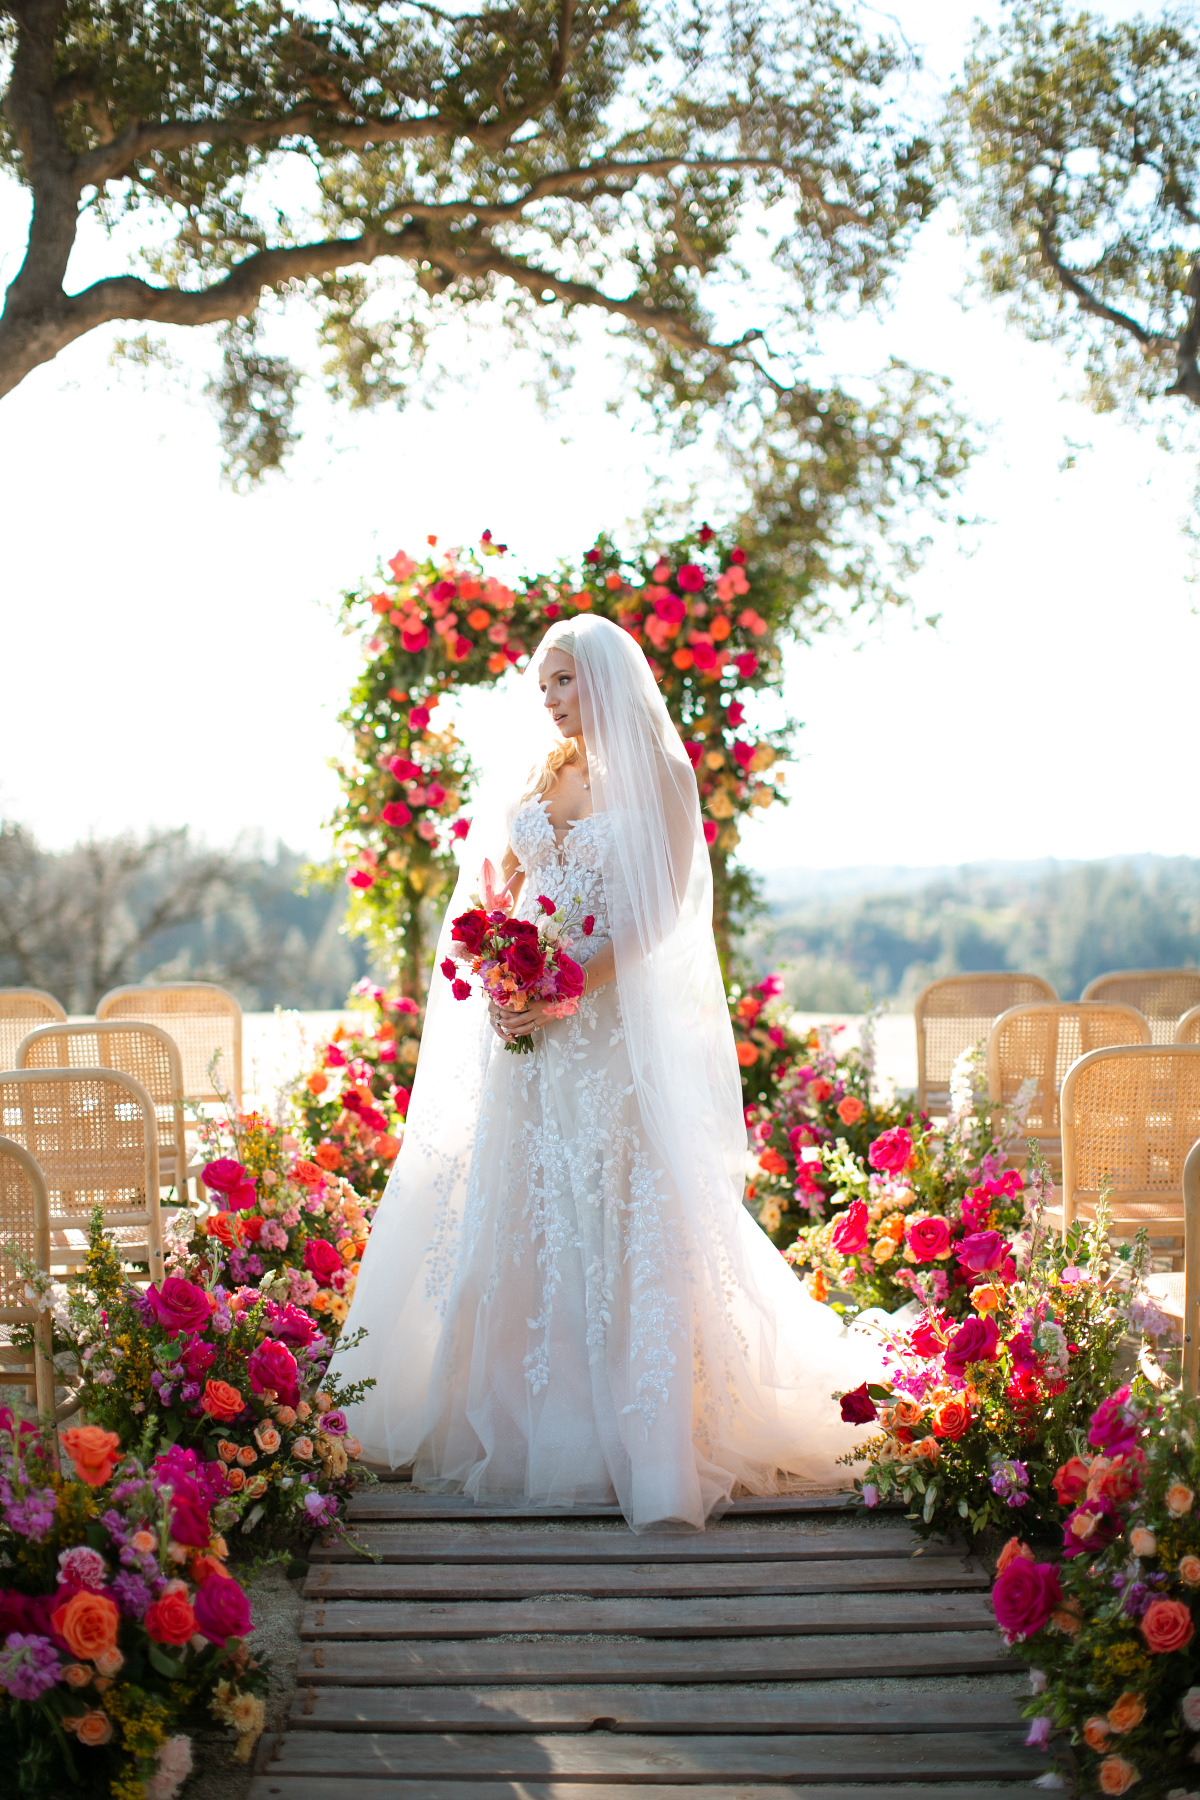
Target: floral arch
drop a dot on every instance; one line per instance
(451, 620)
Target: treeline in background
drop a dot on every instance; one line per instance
(160, 906)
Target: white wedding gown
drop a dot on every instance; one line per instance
(592, 1346)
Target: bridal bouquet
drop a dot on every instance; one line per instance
(517, 961)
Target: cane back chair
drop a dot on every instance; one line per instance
(1161, 995)
(1179, 1295)
(24, 1221)
(1130, 1114)
(1188, 1029)
(201, 1017)
(22, 1010)
(94, 1135)
(1039, 1042)
(952, 1014)
(144, 1051)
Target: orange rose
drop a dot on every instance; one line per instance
(1189, 1571)
(316, 1084)
(1126, 1713)
(235, 1480)
(1096, 1733)
(952, 1418)
(1010, 1554)
(227, 1451)
(307, 1172)
(747, 1055)
(225, 1228)
(1166, 1626)
(87, 1624)
(1179, 1498)
(286, 1416)
(818, 1287)
(1067, 1619)
(94, 1452)
(144, 1542)
(928, 1449)
(907, 1412)
(170, 1619)
(387, 1148)
(1121, 1478)
(347, 1249)
(247, 1456)
(267, 1438)
(256, 1487)
(1117, 1775)
(987, 1298)
(327, 1156)
(850, 1110)
(221, 1402)
(76, 1675)
(303, 1410)
(94, 1728)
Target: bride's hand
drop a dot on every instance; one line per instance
(509, 1024)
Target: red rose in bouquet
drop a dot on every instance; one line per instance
(517, 961)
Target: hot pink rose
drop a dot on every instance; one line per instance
(525, 961)
(850, 1232)
(224, 1176)
(691, 578)
(928, 1238)
(179, 1305)
(568, 978)
(892, 1151)
(1024, 1596)
(974, 1341)
(982, 1252)
(321, 1259)
(469, 929)
(272, 1365)
(222, 1610)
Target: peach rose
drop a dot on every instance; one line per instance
(1166, 1626)
(928, 1449)
(247, 1456)
(1067, 1620)
(1189, 1571)
(952, 1418)
(109, 1663)
(1126, 1713)
(303, 1449)
(256, 1487)
(94, 1728)
(227, 1451)
(1117, 1775)
(1179, 1498)
(93, 1452)
(144, 1542)
(87, 1624)
(221, 1402)
(76, 1675)
(1011, 1551)
(1142, 1541)
(303, 1411)
(267, 1438)
(987, 1298)
(1096, 1733)
(235, 1480)
(907, 1412)
(286, 1416)
(850, 1110)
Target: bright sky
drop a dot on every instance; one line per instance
(170, 654)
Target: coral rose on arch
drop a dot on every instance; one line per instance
(1167, 1625)
(94, 1452)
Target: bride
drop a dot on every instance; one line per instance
(564, 1299)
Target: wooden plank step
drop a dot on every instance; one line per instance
(448, 1581)
(755, 1615)
(483, 1544)
(479, 1664)
(903, 1708)
(614, 1757)
(398, 1501)
(317, 1787)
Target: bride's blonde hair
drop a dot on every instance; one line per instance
(561, 754)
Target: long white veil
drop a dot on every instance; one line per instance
(763, 1357)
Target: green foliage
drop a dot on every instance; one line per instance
(1075, 154)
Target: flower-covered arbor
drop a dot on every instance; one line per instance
(453, 620)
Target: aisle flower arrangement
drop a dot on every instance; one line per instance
(120, 1625)
(1110, 1623)
(982, 1407)
(240, 1374)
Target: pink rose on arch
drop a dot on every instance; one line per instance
(1114, 1425)
(272, 1365)
(928, 1238)
(321, 1259)
(850, 1233)
(691, 578)
(229, 1178)
(982, 1252)
(670, 608)
(928, 1335)
(892, 1151)
(222, 1609)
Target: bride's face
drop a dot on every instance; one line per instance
(556, 678)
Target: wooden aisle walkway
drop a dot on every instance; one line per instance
(792, 1649)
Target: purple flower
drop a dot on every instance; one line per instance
(28, 1665)
(1009, 1480)
(870, 1494)
(333, 1424)
(1039, 1733)
(131, 1594)
(1137, 1599)
(321, 1508)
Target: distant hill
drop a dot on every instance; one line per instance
(842, 932)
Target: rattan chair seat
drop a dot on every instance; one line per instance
(1130, 1115)
(1188, 1029)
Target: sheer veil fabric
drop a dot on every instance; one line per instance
(563, 1297)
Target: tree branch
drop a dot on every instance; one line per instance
(1187, 350)
(1088, 301)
